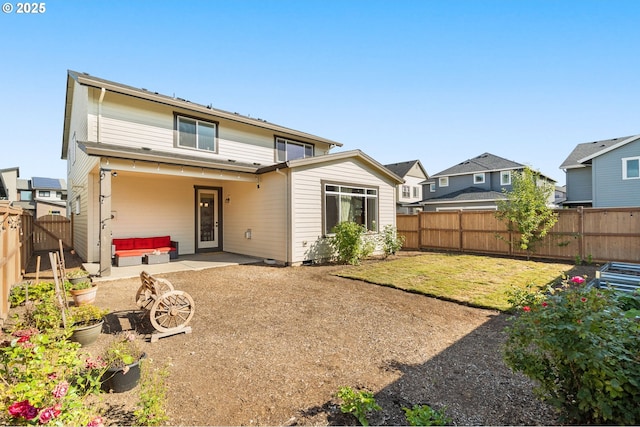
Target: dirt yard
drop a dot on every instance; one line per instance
(272, 345)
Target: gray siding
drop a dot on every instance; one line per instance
(579, 185)
(460, 182)
(609, 189)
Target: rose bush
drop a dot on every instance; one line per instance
(581, 347)
(44, 380)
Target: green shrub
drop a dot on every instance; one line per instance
(358, 403)
(18, 293)
(391, 241)
(424, 415)
(350, 243)
(152, 402)
(582, 349)
(44, 380)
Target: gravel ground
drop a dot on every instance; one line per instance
(272, 345)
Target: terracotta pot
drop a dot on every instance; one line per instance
(84, 296)
(86, 335)
(116, 381)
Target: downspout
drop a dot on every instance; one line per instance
(288, 227)
(98, 124)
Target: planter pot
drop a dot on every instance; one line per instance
(76, 280)
(84, 296)
(116, 381)
(86, 335)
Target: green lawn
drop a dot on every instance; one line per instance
(479, 281)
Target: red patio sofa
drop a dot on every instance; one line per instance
(130, 251)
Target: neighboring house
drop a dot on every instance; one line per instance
(409, 192)
(39, 196)
(560, 195)
(50, 196)
(604, 173)
(9, 184)
(141, 164)
(475, 184)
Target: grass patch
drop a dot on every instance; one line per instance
(480, 281)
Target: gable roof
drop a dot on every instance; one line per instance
(402, 169)
(485, 162)
(469, 194)
(343, 155)
(99, 83)
(583, 153)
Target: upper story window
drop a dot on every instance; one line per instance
(478, 178)
(44, 193)
(631, 168)
(196, 134)
(406, 191)
(416, 191)
(26, 195)
(432, 187)
(444, 181)
(505, 178)
(288, 149)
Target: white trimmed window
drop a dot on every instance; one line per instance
(505, 178)
(478, 178)
(406, 191)
(288, 149)
(196, 134)
(444, 181)
(432, 187)
(350, 203)
(416, 192)
(631, 168)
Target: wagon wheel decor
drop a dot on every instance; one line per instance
(169, 310)
(172, 311)
(150, 287)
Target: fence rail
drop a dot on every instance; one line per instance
(593, 234)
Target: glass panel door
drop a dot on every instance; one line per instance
(207, 219)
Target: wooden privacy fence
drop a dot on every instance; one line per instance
(49, 230)
(16, 248)
(595, 234)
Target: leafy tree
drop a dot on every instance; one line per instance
(526, 210)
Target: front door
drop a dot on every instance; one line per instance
(207, 219)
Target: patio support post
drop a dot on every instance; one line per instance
(105, 222)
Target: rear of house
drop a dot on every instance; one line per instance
(141, 164)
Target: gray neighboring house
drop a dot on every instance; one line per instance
(410, 191)
(604, 173)
(474, 184)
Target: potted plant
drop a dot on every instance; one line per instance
(122, 357)
(81, 288)
(78, 275)
(86, 323)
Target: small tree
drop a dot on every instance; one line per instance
(526, 210)
(350, 243)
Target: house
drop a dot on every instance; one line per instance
(409, 192)
(604, 173)
(39, 196)
(50, 196)
(142, 164)
(474, 184)
(9, 184)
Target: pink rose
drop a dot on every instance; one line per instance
(526, 308)
(50, 413)
(23, 409)
(583, 299)
(60, 389)
(96, 422)
(577, 280)
(544, 304)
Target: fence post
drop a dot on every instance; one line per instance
(581, 249)
(460, 239)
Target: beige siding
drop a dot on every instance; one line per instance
(307, 202)
(131, 122)
(261, 210)
(79, 166)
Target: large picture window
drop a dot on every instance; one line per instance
(290, 150)
(350, 203)
(196, 134)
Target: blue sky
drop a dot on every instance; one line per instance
(438, 81)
